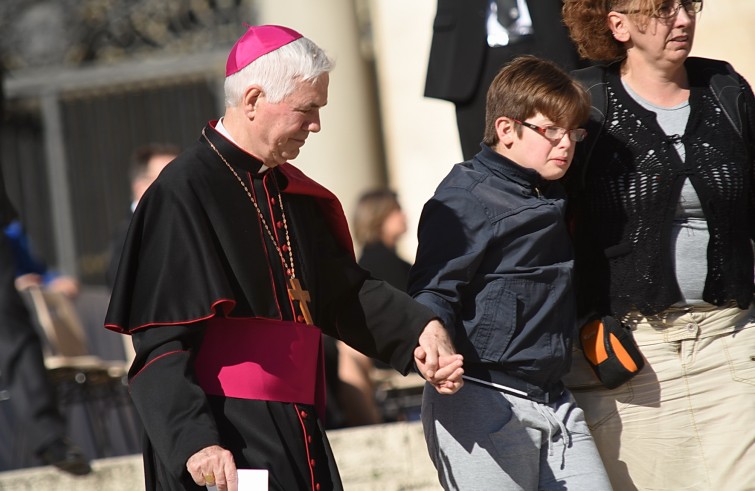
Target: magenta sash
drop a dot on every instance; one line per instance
(262, 359)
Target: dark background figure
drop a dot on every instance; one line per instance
(24, 384)
(470, 43)
(379, 222)
(31, 270)
(146, 164)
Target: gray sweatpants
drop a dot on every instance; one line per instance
(483, 439)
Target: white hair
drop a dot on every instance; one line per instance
(278, 72)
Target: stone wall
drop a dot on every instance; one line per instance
(389, 457)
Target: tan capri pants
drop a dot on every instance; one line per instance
(687, 420)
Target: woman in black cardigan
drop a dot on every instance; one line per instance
(664, 222)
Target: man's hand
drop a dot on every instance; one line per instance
(437, 360)
(214, 464)
(28, 280)
(67, 285)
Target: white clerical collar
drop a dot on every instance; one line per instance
(223, 131)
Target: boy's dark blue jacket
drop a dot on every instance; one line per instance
(495, 264)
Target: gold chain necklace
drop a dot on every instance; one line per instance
(295, 292)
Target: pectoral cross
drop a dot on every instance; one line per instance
(296, 292)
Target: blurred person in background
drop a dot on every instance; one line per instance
(473, 39)
(147, 162)
(31, 270)
(378, 224)
(23, 376)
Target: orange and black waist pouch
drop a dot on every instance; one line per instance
(611, 351)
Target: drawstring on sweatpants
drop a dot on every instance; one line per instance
(547, 413)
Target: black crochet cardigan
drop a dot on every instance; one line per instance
(624, 204)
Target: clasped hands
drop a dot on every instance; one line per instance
(437, 360)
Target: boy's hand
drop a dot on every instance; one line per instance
(437, 360)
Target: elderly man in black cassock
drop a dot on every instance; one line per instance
(234, 265)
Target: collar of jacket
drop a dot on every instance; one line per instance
(506, 168)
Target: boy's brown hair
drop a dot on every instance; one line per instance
(529, 85)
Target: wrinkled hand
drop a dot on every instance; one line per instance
(437, 360)
(215, 461)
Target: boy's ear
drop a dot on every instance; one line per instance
(505, 129)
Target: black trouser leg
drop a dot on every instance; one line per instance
(22, 371)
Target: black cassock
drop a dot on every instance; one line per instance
(195, 250)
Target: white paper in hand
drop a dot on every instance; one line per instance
(252, 479)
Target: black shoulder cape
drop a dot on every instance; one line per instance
(186, 258)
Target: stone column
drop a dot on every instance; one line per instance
(421, 138)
